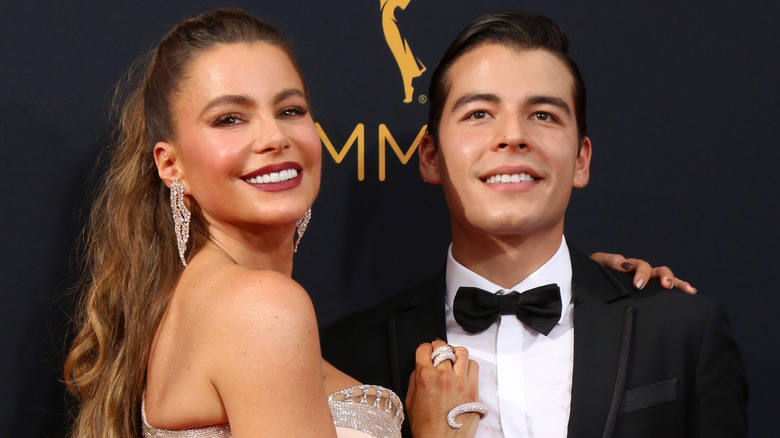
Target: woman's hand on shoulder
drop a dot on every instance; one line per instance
(435, 390)
(267, 365)
(643, 271)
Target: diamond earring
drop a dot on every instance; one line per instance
(181, 218)
(300, 227)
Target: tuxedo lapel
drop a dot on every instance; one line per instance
(420, 319)
(602, 335)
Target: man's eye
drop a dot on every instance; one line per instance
(478, 115)
(543, 116)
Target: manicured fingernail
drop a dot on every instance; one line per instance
(626, 265)
(671, 282)
(640, 283)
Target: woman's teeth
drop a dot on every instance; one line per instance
(273, 177)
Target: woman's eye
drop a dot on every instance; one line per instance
(292, 112)
(228, 120)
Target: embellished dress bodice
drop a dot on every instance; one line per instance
(364, 411)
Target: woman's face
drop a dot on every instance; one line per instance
(246, 147)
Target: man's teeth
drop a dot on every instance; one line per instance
(274, 177)
(508, 179)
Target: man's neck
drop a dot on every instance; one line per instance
(504, 260)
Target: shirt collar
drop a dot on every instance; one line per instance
(556, 270)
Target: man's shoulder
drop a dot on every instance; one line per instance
(602, 284)
(655, 298)
(655, 292)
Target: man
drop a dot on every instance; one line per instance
(507, 142)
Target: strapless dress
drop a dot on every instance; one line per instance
(364, 411)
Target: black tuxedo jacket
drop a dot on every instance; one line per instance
(651, 363)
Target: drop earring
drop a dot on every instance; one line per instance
(300, 227)
(181, 218)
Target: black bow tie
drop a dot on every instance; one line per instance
(539, 308)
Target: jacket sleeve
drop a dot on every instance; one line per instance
(721, 389)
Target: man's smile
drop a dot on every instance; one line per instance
(506, 178)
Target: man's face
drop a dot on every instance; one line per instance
(507, 156)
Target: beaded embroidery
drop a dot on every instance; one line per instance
(374, 410)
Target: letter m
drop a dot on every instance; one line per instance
(359, 135)
(386, 137)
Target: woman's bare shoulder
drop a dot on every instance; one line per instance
(230, 334)
(263, 343)
(241, 299)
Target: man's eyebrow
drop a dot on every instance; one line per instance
(550, 100)
(492, 98)
(475, 97)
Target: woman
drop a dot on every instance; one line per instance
(205, 333)
(220, 111)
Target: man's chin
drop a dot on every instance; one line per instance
(519, 227)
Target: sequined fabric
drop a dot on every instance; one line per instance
(374, 410)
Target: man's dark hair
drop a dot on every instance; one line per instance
(517, 30)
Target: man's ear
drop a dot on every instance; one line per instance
(165, 158)
(429, 163)
(582, 170)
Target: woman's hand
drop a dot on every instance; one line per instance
(643, 272)
(433, 392)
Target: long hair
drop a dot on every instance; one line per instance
(130, 260)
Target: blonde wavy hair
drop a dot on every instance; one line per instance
(130, 261)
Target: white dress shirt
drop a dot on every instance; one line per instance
(524, 376)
